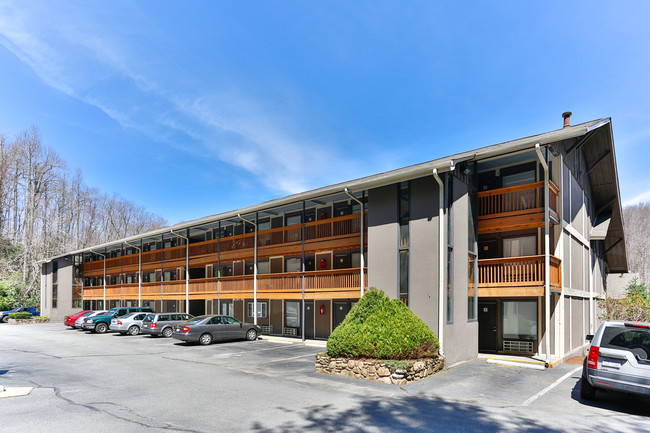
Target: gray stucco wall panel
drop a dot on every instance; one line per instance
(383, 233)
(423, 251)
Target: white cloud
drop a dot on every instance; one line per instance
(86, 62)
(644, 197)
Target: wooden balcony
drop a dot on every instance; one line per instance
(322, 235)
(343, 283)
(516, 276)
(515, 208)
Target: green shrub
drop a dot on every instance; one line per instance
(380, 328)
(20, 315)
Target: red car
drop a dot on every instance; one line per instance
(69, 320)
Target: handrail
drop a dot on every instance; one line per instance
(515, 199)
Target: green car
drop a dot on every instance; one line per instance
(101, 324)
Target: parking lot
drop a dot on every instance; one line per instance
(109, 382)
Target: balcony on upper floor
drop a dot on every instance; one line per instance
(517, 276)
(515, 208)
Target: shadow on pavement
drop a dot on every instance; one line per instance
(408, 414)
(615, 401)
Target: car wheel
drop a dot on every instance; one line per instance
(133, 330)
(205, 339)
(587, 391)
(167, 332)
(100, 328)
(251, 335)
(5, 319)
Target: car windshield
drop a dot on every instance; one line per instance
(149, 318)
(126, 316)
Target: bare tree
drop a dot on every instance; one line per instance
(45, 210)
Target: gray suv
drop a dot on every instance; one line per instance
(163, 323)
(618, 360)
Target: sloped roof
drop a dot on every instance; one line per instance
(422, 170)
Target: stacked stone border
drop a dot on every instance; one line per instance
(395, 372)
(26, 321)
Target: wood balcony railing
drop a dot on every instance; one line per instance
(342, 282)
(516, 276)
(316, 231)
(515, 207)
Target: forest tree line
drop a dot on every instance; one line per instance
(46, 209)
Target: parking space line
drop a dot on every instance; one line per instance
(550, 387)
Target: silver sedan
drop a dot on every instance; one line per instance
(206, 329)
(80, 320)
(128, 324)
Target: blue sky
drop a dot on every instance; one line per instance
(194, 108)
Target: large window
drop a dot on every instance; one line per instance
(55, 285)
(519, 320)
(450, 248)
(292, 314)
(404, 216)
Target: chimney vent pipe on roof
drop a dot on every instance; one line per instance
(567, 118)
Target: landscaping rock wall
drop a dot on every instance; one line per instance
(395, 372)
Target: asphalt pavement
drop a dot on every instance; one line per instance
(115, 383)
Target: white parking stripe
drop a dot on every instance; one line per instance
(550, 387)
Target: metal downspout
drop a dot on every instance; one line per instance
(139, 272)
(441, 261)
(363, 264)
(547, 258)
(103, 278)
(254, 269)
(187, 270)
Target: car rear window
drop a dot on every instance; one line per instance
(626, 338)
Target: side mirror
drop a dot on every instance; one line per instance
(589, 337)
(241, 325)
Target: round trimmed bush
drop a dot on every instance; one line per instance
(381, 328)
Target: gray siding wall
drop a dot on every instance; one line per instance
(64, 291)
(461, 336)
(383, 239)
(423, 251)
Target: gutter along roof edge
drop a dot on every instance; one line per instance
(372, 181)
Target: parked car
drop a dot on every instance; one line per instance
(4, 315)
(93, 313)
(129, 324)
(69, 320)
(206, 329)
(101, 324)
(163, 323)
(618, 360)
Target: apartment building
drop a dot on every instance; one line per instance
(504, 248)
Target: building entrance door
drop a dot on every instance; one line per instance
(341, 310)
(309, 320)
(487, 326)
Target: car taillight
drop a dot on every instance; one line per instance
(153, 325)
(186, 329)
(119, 322)
(592, 359)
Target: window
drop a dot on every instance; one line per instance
(472, 289)
(55, 286)
(520, 247)
(404, 217)
(450, 248)
(519, 320)
(292, 314)
(261, 309)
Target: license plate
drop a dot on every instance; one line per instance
(612, 364)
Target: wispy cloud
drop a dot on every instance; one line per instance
(89, 63)
(644, 197)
